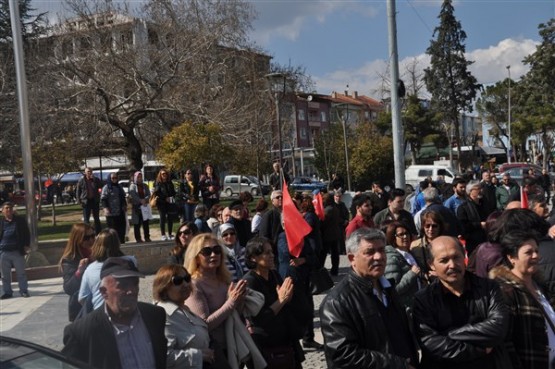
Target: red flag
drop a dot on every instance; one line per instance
(523, 198)
(318, 205)
(295, 225)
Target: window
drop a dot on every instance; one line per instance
(323, 116)
(313, 115)
(301, 115)
(424, 172)
(303, 132)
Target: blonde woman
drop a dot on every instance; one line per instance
(214, 297)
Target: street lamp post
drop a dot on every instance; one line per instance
(276, 83)
(344, 120)
(509, 117)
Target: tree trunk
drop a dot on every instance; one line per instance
(133, 150)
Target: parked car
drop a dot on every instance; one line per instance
(235, 184)
(415, 174)
(18, 197)
(307, 184)
(19, 354)
(518, 171)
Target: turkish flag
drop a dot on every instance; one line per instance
(523, 198)
(296, 228)
(318, 205)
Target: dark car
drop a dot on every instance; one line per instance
(518, 171)
(18, 197)
(18, 354)
(307, 184)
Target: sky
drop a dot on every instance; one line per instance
(345, 42)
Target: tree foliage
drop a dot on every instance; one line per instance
(372, 156)
(492, 106)
(329, 156)
(535, 103)
(419, 122)
(190, 145)
(448, 79)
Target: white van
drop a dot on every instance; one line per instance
(415, 174)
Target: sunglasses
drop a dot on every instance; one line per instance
(402, 235)
(208, 250)
(186, 232)
(228, 234)
(431, 226)
(178, 280)
(88, 237)
(278, 197)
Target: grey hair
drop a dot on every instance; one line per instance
(430, 194)
(470, 185)
(366, 234)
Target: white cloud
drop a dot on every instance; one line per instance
(490, 64)
(489, 67)
(286, 19)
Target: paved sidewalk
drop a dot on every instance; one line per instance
(42, 317)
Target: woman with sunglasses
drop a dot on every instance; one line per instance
(187, 334)
(214, 296)
(185, 234)
(273, 329)
(234, 253)
(163, 187)
(432, 226)
(401, 265)
(73, 263)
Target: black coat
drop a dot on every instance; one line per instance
(547, 263)
(91, 339)
(470, 215)
(445, 345)
(22, 233)
(354, 329)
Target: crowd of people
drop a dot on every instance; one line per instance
(458, 275)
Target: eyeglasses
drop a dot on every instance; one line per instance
(186, 232)
(178, 280)
(278, 197)
(433, 225)
(228, 234)
(401, 235)
(88, 237)
(208, 250)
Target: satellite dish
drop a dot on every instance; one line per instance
(309, 98)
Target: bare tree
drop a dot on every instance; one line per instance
(127, 76)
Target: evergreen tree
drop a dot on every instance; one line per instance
(535, 102)
(448, 79)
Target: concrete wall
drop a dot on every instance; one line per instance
(150, 256)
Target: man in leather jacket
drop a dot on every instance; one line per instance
(363, 323)
(460, 320)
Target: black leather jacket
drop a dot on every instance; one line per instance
(354, 332)
(446, 346)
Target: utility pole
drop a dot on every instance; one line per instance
(509, 117)
(24, 123)
(397, 129)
